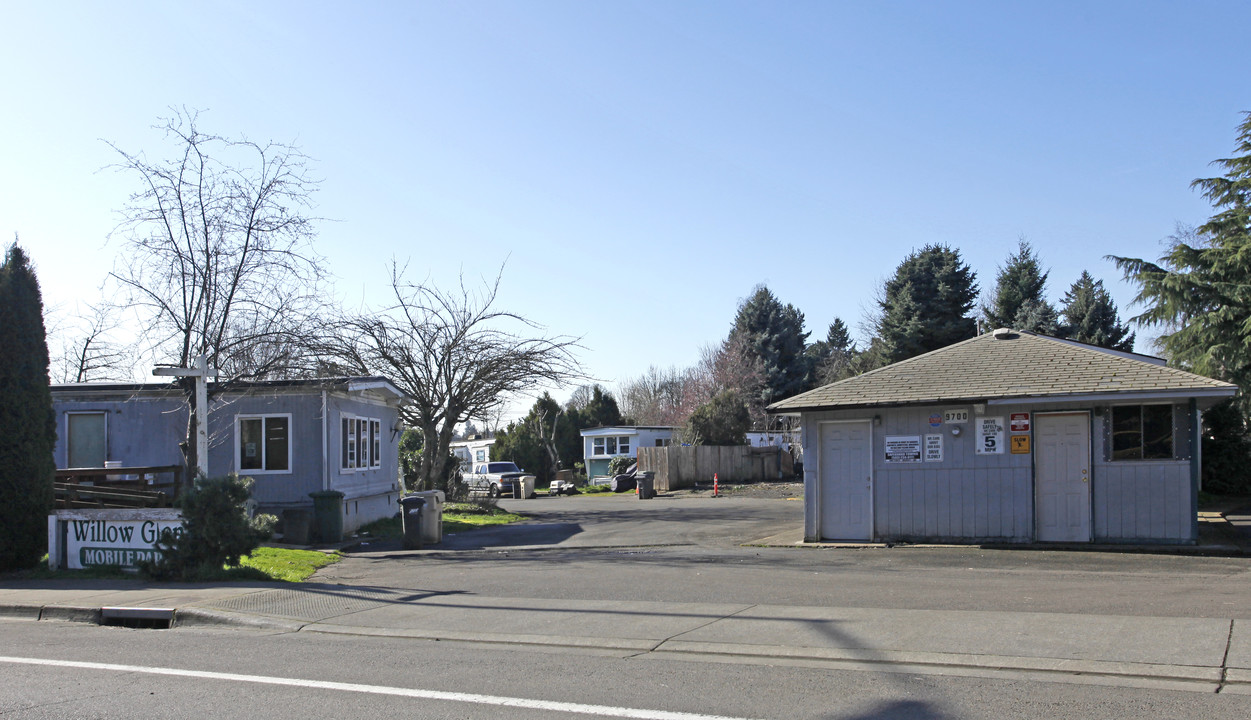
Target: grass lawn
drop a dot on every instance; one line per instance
(287, 564)
(266, 564)
(457, 517)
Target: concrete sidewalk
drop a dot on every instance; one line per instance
(1203, 654)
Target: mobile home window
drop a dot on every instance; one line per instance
(1142, 432)
(360, 443)
(264, 443)
(88, 439)
(375, 441)
(611, 445)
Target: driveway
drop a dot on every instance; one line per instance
(604, 521)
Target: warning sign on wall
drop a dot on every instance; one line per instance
(903, 448)
(989, 436)
(1020, 444)
(1019, 422)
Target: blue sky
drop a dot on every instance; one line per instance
(641, 166)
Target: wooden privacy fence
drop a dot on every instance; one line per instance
(678, 467)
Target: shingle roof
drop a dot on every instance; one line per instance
(1007, 364)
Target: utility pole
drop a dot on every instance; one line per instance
(201, 372)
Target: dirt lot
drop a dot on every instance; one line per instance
(779, 489)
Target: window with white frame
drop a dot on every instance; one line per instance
(263, 443)
(611, 445)
(360, 441)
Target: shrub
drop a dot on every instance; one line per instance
(724, 420)
(216, 530)
(620, 464)
(1226, 451)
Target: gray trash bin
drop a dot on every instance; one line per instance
(413, 506)
(646, 485)
(297, 526)
(328, 508)
(432, 516)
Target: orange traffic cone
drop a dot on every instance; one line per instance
(716, 488)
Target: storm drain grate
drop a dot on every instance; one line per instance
(314, 603)
(140, 618)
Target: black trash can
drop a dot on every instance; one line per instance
(412, 508)
(328, 509)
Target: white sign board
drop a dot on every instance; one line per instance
(956, 416)
(989, 435)
(903, 448)
(90, 538)
(934, 448)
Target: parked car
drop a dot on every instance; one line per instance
(496, 479)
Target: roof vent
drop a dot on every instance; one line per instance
(1003, 334)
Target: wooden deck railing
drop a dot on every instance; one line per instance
(120, 487)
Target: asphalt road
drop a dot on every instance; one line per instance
(601, 549)
(240, 674)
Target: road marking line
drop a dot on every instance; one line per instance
(550, 705)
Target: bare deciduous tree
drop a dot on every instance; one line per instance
(454, 354)
(217, 257)
(656, 396)
(88, 350)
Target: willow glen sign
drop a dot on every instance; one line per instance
(79, 539)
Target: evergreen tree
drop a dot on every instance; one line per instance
(831, 359)
(1200, 291)
(1089, 315)
(724, 420)
(26, 415)
(926, 305)
(600, 411)
(1019, 299)
(773, 333)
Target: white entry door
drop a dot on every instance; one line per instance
(1062, 477)
(846, 481)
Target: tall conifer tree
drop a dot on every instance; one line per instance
(1020, 300)
(774, 334)
(1088, 314)
(926, 305)
(1200, 291)
(26, 415)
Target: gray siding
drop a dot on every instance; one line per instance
(973, 498)
(139, 432)
(1143, 500)
(272, 488)
(964, 497)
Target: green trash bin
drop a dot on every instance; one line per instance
(328, 509)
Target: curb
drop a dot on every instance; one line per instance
(203, 617)
(1188, 677)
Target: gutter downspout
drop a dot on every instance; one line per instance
(325, 430)
(1196, 476)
